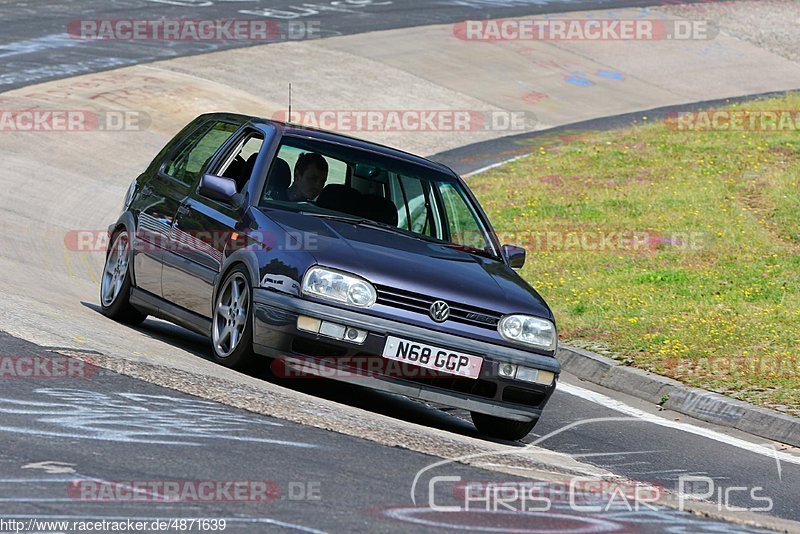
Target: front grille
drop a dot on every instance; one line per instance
(316, 348)
(457, 384)
(523, 396)
(416, 302)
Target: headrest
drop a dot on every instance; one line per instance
(378, 208)
(280, 175)
(339, 197)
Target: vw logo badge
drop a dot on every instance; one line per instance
(440, 311)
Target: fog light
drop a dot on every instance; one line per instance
(329, 329)
(355, 335)
(507, 370)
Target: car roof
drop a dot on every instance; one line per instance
(323, 135)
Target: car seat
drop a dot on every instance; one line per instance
(280, 175)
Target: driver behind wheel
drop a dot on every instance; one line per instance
(310, 175)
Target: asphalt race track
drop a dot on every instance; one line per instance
(37, 48)
(95, 441)
(109, 429)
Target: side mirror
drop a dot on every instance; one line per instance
(515, 256)
(217, 188)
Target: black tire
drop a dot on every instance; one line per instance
(240, 356)
(115, 303)
(499, 428)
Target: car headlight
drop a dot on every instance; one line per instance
(338, 286)
(528, 330)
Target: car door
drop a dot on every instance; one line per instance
(203, 228)
(156, 206)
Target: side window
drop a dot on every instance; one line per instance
(420, 206)
(464, 229)
(239, 164)
(190, 160)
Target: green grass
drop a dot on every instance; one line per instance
(714, 299)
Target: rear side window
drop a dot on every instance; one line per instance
(190, 160)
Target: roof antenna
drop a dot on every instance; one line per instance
(289, 118)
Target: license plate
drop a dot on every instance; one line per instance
(430, 357)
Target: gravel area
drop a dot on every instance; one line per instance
(770, 24)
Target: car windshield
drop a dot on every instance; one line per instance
(331, 180)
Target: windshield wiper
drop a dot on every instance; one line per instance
(342, 218)
(401, 231)
(360, 221)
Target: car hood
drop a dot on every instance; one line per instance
(388, 258)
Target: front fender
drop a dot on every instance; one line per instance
(272, 259)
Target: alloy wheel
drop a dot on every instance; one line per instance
(115, 269)
(230, 315)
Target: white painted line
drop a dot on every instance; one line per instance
(493, 166)
(618, 406)
(656, 472)
(40, 499)
(47, 42)
(77, 477)
(587, 455)
(31, 75)
(51, 467)
(579, 524)
(506, 466)
(150, 441)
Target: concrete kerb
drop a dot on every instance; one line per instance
(673, 395)
(610, 373)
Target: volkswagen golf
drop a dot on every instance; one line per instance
(333, 257)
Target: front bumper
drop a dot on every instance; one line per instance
(275, 334)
